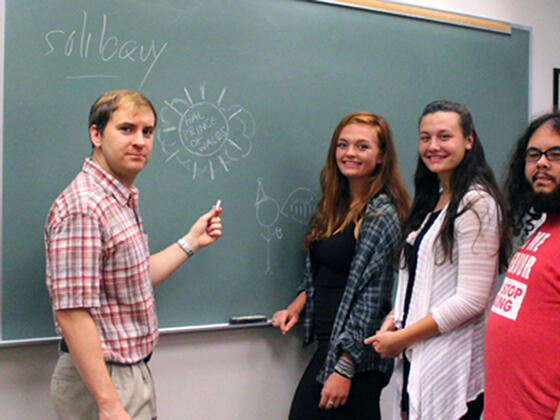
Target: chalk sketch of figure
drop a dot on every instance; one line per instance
(267, 212)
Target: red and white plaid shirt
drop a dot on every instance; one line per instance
(98, 258)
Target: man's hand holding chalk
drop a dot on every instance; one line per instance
(207, 229)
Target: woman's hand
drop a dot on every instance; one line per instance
(335, 391)
(285, 320)
(392, 343)
(388, 324)
(387, 344)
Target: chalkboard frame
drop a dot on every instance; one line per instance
(31, 340)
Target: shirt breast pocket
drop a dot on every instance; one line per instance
(125, 270)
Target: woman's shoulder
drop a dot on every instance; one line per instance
(382, 212)
(479, 200)
(478, 194)
(380, 224)
(381, 204)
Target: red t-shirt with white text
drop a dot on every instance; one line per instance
(522, 343)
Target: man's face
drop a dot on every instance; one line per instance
(125, 146)
(543, 175)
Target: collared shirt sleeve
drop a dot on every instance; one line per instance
(73, 262)
(380, 237)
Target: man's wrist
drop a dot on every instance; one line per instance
(185, 246)
(192, 240)
(110, 406)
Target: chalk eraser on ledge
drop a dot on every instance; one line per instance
(247, 319)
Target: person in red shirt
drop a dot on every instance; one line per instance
(99, 272)
(522, 339)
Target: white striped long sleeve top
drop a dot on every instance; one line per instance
(447, 371)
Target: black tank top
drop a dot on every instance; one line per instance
(330, 259)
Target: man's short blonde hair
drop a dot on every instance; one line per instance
(106, 104)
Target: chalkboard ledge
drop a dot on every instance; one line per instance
(162, 331)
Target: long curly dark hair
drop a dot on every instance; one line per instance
(473, 170)
(518, 191)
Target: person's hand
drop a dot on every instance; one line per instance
(388, 324)
(285, 320)
(112, 412)
(206, 230)
(387, 344)
(335, 391)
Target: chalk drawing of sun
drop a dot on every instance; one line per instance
(205, 137)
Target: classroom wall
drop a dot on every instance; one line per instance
(251, 374)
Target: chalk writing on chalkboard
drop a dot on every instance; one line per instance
(95, 42)
(203, 136)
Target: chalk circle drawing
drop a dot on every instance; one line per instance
(205, 137)
(299, 206)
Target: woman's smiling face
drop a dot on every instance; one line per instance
(442, 145)
(357, 151)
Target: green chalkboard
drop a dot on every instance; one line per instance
(248, 93)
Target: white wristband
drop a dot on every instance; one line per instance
(185, 247)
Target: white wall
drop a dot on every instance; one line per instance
(237, 374)
(251, 374)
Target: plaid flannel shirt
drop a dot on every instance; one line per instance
(367, 296)
(98, 259)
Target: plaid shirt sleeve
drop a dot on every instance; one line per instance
(369, 296)
(308, 310)
(73, 262)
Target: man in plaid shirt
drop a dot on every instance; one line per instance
(100, 275)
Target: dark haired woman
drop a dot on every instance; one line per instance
(455, 244)
(346, 291)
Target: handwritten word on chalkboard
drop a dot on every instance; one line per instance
(105, 47)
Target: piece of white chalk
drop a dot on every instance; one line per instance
(218, 204)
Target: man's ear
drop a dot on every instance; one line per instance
(95, 136)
